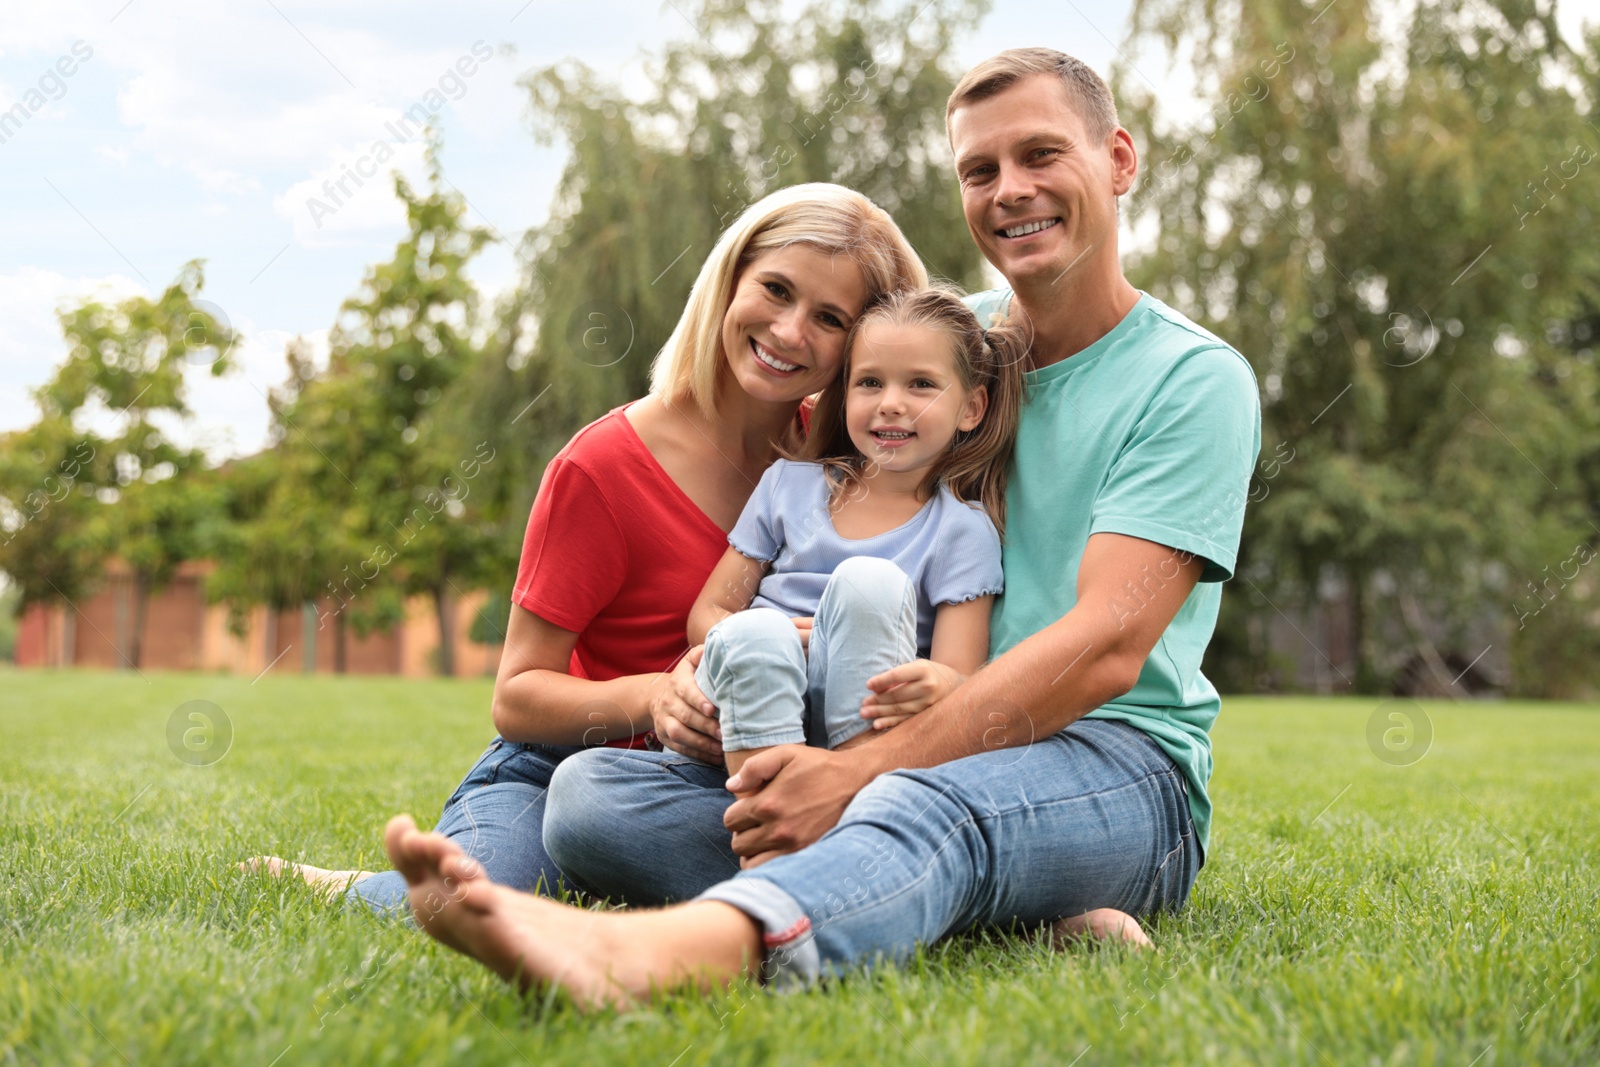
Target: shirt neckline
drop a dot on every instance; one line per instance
(687, 501)
(921, 514)
(1061, 368)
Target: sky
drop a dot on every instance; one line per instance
(153, 132)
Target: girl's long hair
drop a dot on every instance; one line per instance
(976, 465)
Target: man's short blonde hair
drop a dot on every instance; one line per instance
(830, 218)
(1086, 90)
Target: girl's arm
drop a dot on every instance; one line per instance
(729, 590)
(537, 700)
(960, 647)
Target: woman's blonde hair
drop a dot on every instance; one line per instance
(830, 218)
(975, 467)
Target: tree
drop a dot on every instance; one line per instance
(758, 97)
(1392, 230)
(369, 500)
(59, 479)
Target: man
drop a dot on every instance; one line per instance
(1066, 780)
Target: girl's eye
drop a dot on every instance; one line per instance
(866, 383)
(923, 383)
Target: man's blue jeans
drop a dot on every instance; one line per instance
(1094, 816)
(769, 691)
(495, 815)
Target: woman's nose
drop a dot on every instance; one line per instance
(789, 329)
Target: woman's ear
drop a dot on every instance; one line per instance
(977, 404)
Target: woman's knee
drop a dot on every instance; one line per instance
(576, 819)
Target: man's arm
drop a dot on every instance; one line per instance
(1129, 590)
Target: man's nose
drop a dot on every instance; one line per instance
(1014, 185)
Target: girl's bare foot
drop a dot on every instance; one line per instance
(602, 959)
(1101, 924)
(329, 883)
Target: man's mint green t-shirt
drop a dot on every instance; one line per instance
(1152, 432)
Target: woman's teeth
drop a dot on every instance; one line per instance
(1029, 227)
(772, 361)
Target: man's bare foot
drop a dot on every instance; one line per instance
(1101, 924)
(330, 884)
(601, 959)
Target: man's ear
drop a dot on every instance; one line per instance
(977, 404)
(1124, 160)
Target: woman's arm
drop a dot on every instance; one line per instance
(537, 700)
(960, 647)
(729, 590)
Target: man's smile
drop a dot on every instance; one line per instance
(1024, 229)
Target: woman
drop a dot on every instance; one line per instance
(634, 513)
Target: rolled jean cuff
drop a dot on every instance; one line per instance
(844, 733)
(739, 741)
(792, 960)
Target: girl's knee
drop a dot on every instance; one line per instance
(866, 581)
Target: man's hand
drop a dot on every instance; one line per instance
(900, 693)
(683, 719)
(789, 796)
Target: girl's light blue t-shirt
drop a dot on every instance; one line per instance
(1152, 432)
(949, 549)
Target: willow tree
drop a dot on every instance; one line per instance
(753, 97)
(1396, 228)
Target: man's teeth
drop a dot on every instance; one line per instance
(774, 362)
(1029, 227)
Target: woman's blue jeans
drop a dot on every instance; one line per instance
(769, 691)
(1094, 816)
(495, 815)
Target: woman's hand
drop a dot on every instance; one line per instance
(684, 720)
(902, 692)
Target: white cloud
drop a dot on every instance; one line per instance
(352, 197)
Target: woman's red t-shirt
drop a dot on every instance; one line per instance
(616, 552)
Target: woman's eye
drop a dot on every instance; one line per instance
(776, 290)
(832, 320)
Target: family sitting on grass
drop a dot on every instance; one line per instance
(894, 762)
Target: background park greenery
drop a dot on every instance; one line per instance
(1392, 220)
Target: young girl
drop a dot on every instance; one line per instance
(878, 547)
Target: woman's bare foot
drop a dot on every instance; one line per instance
(602, 959)
(329, 883)
(1101, 924)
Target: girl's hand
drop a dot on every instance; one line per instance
(804, 626)
(683, 719)
(909, 688)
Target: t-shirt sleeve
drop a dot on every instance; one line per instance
(1182, 478)
(757, 533)
(968, 562)
(574, 555)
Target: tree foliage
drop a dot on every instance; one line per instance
(1397, 229)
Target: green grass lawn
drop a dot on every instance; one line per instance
(1352, 910)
